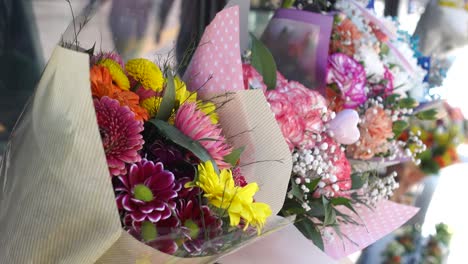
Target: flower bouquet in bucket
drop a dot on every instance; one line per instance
(125, 162)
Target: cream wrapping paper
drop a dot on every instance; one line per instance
(56, 199)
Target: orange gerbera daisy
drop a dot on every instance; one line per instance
(101, 85)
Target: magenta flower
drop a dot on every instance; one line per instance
(252, 79)
(350, 77)
(165, 233)
(199, 225)
(147, 192)
(385, 87)
(198, 126)
(120, 134)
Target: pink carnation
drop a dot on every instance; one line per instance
(298, 111)
(350, 77)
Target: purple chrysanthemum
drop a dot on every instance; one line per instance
(350, 77)
(120, 134)
(147, 192)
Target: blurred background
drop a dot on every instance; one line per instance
(30, 29)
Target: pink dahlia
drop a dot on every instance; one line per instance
(252, 79)
(120, 134)
(147, 192)
(198, 126)
(350, 77)
(299, 112)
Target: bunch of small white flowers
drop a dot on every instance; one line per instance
(415, 146)
(381, 188)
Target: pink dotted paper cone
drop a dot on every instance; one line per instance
(216, 64)
(377, 223)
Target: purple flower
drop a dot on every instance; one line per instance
(350, 77)
(385, 87)
(147, 192)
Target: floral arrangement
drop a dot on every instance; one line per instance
(176, 178)
(441, 138)
(410, 246)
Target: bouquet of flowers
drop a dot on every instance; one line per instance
(123, 162)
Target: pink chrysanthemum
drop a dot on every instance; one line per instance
(350, 77)
(198, 126)
(300, 113)
(120, 134)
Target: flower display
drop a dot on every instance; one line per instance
(120, 134)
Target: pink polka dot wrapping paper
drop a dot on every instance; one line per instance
(377, 223)
(216, 65)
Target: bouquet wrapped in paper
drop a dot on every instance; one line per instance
(120, 161)
(339, 200)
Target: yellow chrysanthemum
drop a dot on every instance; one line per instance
(222, 193)
(152, 105)
(182, 94)
(117, 73)
(146, 73)
(209, 109)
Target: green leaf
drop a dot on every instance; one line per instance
(407, 102)
(234, 156)
(287, 3)
(263, 62)
(340, 201)
(168, 100)
(310, 230)
(358, 180)
(313, 184)
(398, 127)
(174, 135)
(330, 215)
(391, 99)
(430, 114)
(296, 191)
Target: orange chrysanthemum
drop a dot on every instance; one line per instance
(101, 85)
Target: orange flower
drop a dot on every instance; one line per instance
(101, 85)
(344, 37)
(375, 128)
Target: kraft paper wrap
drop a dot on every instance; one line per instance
(56, 199)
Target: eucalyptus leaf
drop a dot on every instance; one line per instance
(310, 230)
(168, 100)
(234, 156)
(179, 138)
(399, 126)
(407, 102)
(430, 114)
(263, 62)
(313, 184)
